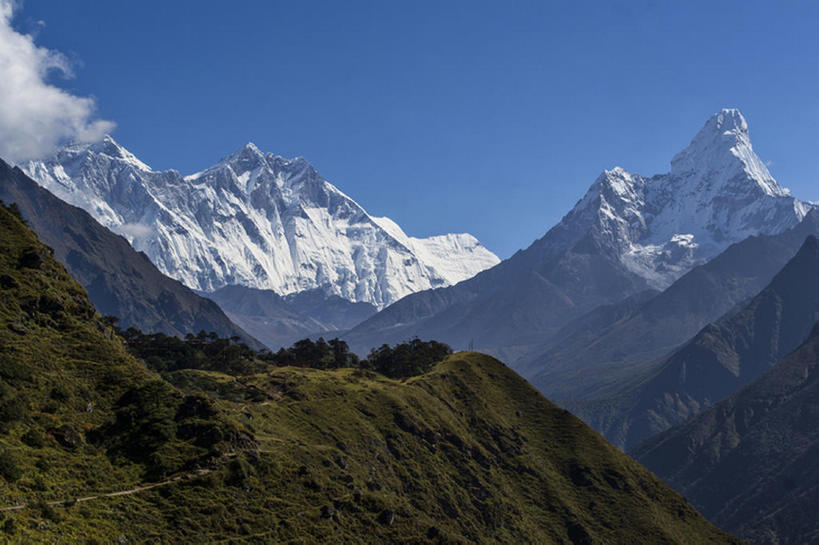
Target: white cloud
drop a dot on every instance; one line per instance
(133, 231)
(35, 116)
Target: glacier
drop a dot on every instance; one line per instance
(258, 220)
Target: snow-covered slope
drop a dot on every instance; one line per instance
(256, 220)
(718, 192)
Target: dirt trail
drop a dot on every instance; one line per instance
(135, 490)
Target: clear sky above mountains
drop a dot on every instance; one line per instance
(486, 117)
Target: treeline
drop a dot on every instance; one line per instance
(208, 351)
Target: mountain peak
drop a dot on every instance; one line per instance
(109, 148)
(247, 152)
(728, 120)
(712, 147)
(254, 219)
(246, 158)
(721, 152)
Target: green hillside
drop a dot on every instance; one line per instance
(467, 452)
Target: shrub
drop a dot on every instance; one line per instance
(238, 473)
(47, 511)
(11, 410)
(13, 369)
(33, 438)
(8, 467)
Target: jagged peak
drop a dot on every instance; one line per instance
(107, 147)
(250, 153)
(722, 132)
(721, 150)
(247, 152)
(728, 126)
(728, 120)
(618, 180)
(251, 147)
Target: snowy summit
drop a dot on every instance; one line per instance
(257, 220)
(717, 193)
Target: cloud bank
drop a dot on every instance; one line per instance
(35, 116)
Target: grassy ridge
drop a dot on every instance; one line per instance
(70, 405)
(466, 452)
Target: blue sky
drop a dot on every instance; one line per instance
(486, 117)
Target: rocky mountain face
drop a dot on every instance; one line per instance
(720, 359)
(749, 463)
(718, 192)
(595, 354)
(627, 234)
(120, 281)
(256, 220)
(279, 321)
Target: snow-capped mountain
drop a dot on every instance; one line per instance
(256, 220)
(627, 233)
(718, 192)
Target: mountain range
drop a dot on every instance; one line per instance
(120, 281)
(256, 220)
(651, 301)
(636, 334)
(282, 320)
(749, 463)
(626, 235)
(720, 359)
(98, 446)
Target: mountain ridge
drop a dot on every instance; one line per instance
(257, 220)
(724, 356)
(625, 235)
(121, 282)
(641, 334)
(281, 321)
(464, 451)
(748, 462)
